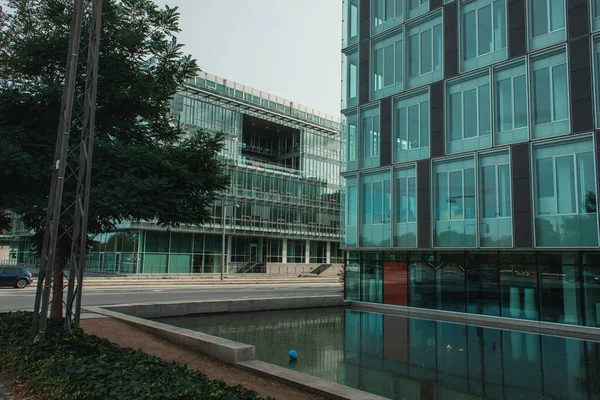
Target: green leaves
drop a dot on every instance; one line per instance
(79, 366)
(144, 168)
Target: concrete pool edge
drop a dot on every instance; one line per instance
(488, 321)
(236, 353)
(185, 307)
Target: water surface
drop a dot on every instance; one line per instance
(410, 358)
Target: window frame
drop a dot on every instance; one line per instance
(559, 144)
(407, 100)
(407, 172)
(520, 134)
(348, 58)
(382, 43)
(451, 164)
(481, 161)
(554, 127)
(462, 85)
(347, 40)
(418, 27)
(550, 37)
(370, 111)
(496, 54)
(388, 23)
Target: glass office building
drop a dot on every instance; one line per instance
(469, 142)
(282, 205)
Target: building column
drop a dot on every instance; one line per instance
(307, 252)
(228, 255)
(328, 252)
(284, 251)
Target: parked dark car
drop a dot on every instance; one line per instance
(18, 277)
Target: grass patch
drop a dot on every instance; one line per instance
(78, 366)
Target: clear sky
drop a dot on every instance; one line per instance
(288, 48)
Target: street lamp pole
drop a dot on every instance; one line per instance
(223, 219)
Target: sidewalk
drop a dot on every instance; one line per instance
(103, 279)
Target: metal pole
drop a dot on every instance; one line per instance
(50, 243)
(223, 240)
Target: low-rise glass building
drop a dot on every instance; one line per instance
(280, 213)
(470, 156)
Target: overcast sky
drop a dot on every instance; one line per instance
(288, 48)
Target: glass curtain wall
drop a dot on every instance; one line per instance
(511, 104)
(425, 43)
(483, 33)
(546, 23)
(454, 203)
(350, 74)
(350, 25)
(387, 65)
(550, 94)
(565, 194)
(349, 142)
(351, 212)
(375, 207)
(411, 127)
(405, 207)
(495, 209)
(370, 137)
(468, 113)
(385, 14)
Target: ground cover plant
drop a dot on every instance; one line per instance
(80, 366)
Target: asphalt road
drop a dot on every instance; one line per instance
(22, 299)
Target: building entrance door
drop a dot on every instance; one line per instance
(253, 252)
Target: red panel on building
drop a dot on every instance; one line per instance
(395, 281)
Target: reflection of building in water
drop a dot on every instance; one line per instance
(469, 171)
(405, 358)
(314, 333)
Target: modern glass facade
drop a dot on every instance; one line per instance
(281, 207)
(470, 160)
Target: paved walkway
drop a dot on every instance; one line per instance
(4, 395)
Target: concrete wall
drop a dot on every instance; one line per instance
(298, 269)
(182, 308)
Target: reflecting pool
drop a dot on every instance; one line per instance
(410, 358)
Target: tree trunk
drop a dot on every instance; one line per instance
(57, 283)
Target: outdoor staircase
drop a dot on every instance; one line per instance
(320, 269)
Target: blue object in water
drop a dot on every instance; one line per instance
(293, 354)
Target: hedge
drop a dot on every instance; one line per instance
(78, 366)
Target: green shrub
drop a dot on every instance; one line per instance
(79, 366)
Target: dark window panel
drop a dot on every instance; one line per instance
(577, 21)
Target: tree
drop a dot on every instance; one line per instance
(145, 166)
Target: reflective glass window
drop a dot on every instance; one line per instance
(595, 14)
(596, 64)
(349, 142)
(405, 207)
(375, 205)
(416, 7)
(425, 44)
(387, 65)
(510, 103)
(411, 127)
(370, 137)
(350, 22)
(550, 94)
(455, 203)
(468, 113)
(495, 209)
(483, 33)
(565, 194)
(350, 76)
(385, 14)
(546, 22)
